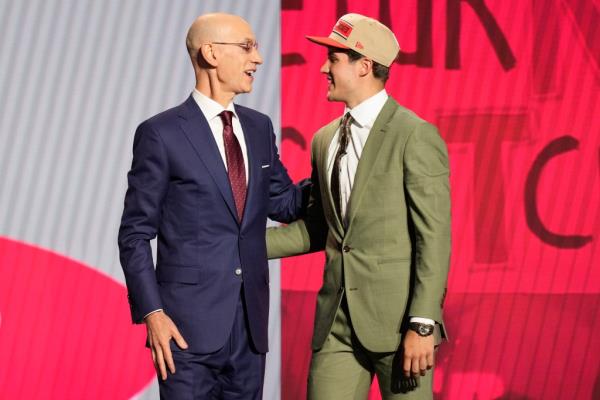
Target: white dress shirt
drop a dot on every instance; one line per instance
(363, 116)
(211, 110)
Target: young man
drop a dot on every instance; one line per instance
(380, 207)
(205, 175)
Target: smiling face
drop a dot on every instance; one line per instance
(224, 54)
(236, 64)
(342, 76)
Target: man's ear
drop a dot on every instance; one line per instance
(206, 56)
(365, 66)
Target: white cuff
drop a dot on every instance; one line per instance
(422, 320)
(152, 312)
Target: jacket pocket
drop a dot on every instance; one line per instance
(391, 260)
(166, 273)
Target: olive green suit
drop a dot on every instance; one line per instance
(391, 261)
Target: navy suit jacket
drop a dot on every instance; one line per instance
(179, 191)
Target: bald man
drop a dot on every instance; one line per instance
(204, 177)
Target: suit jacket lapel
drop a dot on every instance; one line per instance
(249, 126)
(368, 157)
(198, 132)
(327, 137)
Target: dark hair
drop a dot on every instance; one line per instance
(380, 71)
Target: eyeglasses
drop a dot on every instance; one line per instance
(247, 46)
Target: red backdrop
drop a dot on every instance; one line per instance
(65, 330)
(513, 88)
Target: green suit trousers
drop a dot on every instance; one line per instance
(343, 369)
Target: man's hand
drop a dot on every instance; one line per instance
(418, 353)
(160, 331)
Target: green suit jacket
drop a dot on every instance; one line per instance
(392, 259)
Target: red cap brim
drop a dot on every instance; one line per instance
(325, 41)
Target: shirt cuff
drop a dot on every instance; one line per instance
(152, 312)
(422, 320)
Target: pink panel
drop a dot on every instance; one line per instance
(65, 330)
(513, 87)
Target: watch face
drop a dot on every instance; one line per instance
(425, 330)
(421, 329)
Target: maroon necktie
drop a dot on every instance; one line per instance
(235, 164)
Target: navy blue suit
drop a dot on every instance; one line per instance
(179, 191)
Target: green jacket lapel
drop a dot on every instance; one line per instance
(326, 138)
(368, 157)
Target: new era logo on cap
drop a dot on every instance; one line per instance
(359, 45)
(343, 29)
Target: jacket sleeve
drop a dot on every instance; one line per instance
(426, 182)
(305, 235)
(287, 201)
(147, 185)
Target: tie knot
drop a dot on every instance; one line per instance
(346, 120)
(226, 117)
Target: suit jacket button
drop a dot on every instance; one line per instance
(346, 249)
(238, 271)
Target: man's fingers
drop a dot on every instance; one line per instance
(430, 360)
(418, 354)
(160, 361)
(153, 354)
(415, 366)
(406, 366)
(160, 331)
(168, 356)
(422, 365)
(179, 339)
(154, 359)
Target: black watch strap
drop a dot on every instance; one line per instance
(421, 329)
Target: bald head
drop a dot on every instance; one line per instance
(225, 55)
(217, 27)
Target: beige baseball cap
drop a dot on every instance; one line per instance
(364, 35)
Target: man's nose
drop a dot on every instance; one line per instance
(257, 57)
(325, 67)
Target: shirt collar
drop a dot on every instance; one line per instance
(210, 108)
(366, 112)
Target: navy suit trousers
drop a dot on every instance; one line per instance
(236, 371)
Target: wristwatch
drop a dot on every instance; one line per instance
(421, 329)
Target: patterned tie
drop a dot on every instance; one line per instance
(344, 137)
(235, 164)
